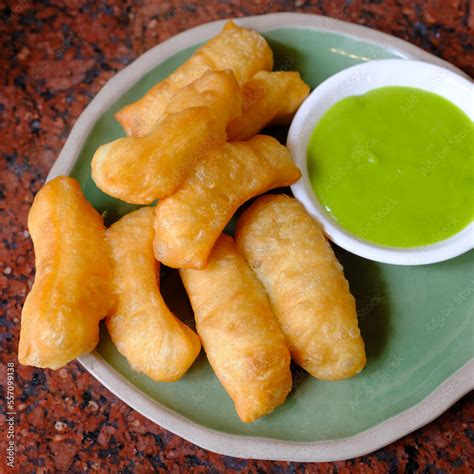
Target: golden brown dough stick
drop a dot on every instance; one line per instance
(188, 223)
(269, 98)
(217, 90)
(72, 291)
(139, 170)
(305, 283)
(239, 332)
(142, 327)
(243, 51)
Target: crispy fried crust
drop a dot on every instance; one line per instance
(72, 290)
(188, 223)
(269, 98)
(239, 332)
(142, 327)
(140, 170)
(241, 50)
(290, 255)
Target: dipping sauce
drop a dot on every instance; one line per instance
(395, 166)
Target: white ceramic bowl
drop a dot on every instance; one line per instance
(358, 80)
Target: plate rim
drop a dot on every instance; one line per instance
(250, 447)
(440, 399)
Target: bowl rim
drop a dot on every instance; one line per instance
(442, 397)
(398, 72)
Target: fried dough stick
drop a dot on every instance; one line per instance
(239, 332)
(142, 327)
(243, 51)
(305, 283)
(188, 223)
(139, 170)
(269, 98)
(72, 291)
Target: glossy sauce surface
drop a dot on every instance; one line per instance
(395, 166)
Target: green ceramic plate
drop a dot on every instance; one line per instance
(416, 321)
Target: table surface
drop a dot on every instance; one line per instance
(54, 57)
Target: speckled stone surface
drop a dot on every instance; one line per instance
(54, 57)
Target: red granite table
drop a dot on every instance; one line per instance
(54, 57)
